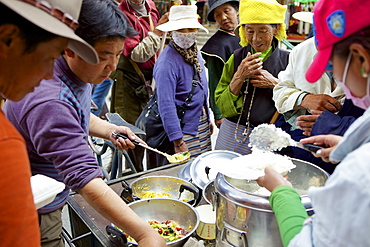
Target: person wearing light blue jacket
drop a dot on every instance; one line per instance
(342, 205)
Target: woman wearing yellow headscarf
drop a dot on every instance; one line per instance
(244, 93)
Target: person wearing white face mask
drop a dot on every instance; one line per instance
(174, 72)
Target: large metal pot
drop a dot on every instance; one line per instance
(245, 218)
(160, 209)
(161, 186)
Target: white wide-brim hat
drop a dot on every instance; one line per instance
(52, 24)
(182, 16)
(304, 16)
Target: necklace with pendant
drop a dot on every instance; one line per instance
(248, 129)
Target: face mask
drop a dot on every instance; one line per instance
(363, 102)
(184, 40)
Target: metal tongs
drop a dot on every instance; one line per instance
(169, 157)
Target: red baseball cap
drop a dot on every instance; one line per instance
(334, 20)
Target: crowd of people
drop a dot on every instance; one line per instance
(50, 63)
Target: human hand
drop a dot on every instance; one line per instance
(180, 146)
(306, 122)
(249, 66)
(320, 102)
(161, 21)
(123, 143)
(328, 141)
(263, 79)
(211, 127)
(272, 179)
(218, 122)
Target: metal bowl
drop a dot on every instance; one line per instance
(163, 209)
(171, 187)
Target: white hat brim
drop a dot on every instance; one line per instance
(181, 24)
(55, 26)
(304, 16)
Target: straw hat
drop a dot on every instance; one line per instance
(63, 23)
(182, 16)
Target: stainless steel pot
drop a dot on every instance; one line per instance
(171, 187)
(245, 218)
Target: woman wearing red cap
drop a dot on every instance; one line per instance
(342, 206)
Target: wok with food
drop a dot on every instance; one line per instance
(175, 220)
(161, 187)
(170, 230)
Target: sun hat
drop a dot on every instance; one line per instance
(182, 16)
(262, 12)
(304, 16)
(334, 21)
(58, 17)
(213, 4)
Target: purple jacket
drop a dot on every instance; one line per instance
(54, 122)
(173, 77)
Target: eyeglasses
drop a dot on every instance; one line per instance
(56, 12)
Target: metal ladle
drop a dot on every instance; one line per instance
(268, 137)
(173, 159)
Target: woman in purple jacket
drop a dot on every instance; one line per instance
(173, 73)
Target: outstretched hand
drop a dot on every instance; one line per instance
(328, 141)
(306, 122)
(122, 143)
(272, 180)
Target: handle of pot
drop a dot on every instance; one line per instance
(242, 235)
(195, 192)
(126, 193)
(116, 236)
(214, 199)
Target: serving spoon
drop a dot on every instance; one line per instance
(268, 137)
(178, 158)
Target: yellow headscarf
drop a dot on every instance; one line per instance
(261, 11)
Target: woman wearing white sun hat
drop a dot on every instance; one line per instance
(173, 73)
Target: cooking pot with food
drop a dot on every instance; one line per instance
(243, 213)
(161, 210)
(161, 187)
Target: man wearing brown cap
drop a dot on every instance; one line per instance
(31, 38)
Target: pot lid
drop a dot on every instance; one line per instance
(200, 166)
